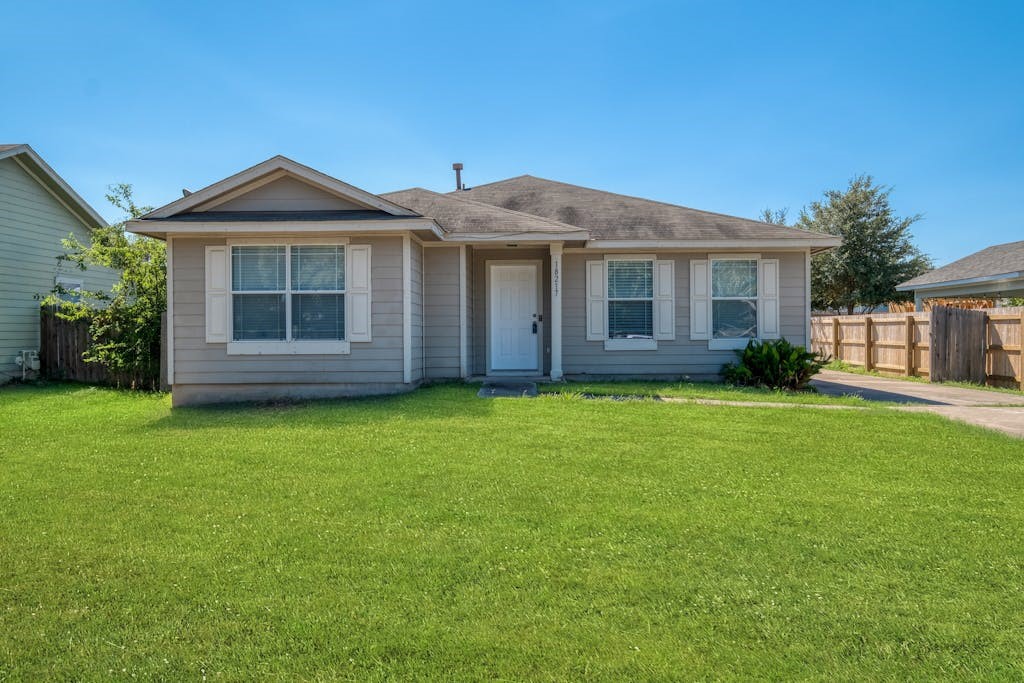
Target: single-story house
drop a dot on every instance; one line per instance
(286, 282)
(996, 272)
(38, 209)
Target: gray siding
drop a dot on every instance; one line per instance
(32, 225)
(478, 294)
(417, 310)
(286, 194)
(441, 312)
(198, 363)
(678, 357)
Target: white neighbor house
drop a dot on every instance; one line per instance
(286, 282)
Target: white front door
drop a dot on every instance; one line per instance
(514, 317)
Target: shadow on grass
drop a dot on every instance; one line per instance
(426, 404)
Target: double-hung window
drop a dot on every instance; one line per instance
(630, 299)
(287, 293)
(631, 302)
(734, 298)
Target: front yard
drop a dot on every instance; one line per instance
(441, 536)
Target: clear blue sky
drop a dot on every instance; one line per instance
(724, 106)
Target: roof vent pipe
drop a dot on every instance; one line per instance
(457, 167)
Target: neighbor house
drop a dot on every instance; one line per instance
(996, 272)
(37, 210)
(286, 282)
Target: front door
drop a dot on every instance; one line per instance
(514, 315)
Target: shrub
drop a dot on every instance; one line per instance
(774, 364)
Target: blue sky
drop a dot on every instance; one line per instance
(724, 106)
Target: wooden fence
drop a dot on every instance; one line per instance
(62, 343)
(941, 344)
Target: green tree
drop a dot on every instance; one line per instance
(774, 216)
(124, 324)
(877, 252)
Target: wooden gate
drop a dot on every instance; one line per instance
(957, 340)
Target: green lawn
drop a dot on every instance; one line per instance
(441, 536)
(698, 391)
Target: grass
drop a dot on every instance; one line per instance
(441, 536)
(699, 391)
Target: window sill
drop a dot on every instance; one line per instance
(286, 348)
(630, 345)
(728, 344)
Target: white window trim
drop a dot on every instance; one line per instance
(287, 346)
(734, 343)
(630, 344)
(70, 284)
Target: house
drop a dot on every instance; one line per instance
(37, 210)
(996, 272)
(286, 282)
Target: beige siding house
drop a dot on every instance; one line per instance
(37, 210)
(286, 282)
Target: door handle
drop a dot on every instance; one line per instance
(535, 327)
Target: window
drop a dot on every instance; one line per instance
(72, 289)
(734, 298)
(630, 299)
(288, 292)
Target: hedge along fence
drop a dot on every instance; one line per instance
(941, 344)
(62, 343)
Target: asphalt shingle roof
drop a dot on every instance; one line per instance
(459, 214)
(614, 216)
(1001, 259)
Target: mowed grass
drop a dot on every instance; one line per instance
(441, 536)
(699, 391)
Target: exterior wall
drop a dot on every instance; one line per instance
(478, 301)
(32, 225)
(681, 356)
(372, 364)
(441, 312)
(286, 194)
(417, 310)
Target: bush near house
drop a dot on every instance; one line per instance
(774, 364)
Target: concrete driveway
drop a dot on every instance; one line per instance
(992, 409)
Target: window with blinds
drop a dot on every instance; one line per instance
(288, 292)
(734, 298)
(630, 299)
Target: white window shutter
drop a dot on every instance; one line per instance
(700, 301)
(597, 327)
(768, 298)
(217, 292)
(357, 293)
(665, 299)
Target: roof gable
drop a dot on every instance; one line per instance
(276, 183)
(40, 171)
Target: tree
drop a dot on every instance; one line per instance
(124, 324)
(774, 216)
(876, 255)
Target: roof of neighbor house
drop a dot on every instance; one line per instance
(611, 216)
(1001, 261)
(460, 215)
(30, 160)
